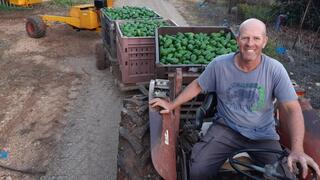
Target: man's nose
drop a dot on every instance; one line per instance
(250, 42)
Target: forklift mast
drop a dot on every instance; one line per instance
(103, 3)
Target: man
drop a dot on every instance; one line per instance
(246, 83)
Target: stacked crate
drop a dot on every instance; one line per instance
(136, 56)
(108, 31)
(108, 34)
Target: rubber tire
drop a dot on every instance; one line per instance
(134, 153)
(35, 27)
(102, 61)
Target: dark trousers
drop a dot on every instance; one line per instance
(218, 144)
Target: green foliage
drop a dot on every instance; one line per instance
(264, 13)
(295, 10)
(7, 7)
(270, 48)
(4, 7)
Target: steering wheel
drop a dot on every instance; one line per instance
(269, 170)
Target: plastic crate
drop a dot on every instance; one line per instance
(136, 56)
(164, 69)
(108, 31)
(108, 34)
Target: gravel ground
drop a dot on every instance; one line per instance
(88, 147)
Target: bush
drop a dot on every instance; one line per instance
(264, 13)
(270, 48)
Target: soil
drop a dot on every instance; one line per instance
(41, 80)
(60, 115)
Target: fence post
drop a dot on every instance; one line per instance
(301, 23)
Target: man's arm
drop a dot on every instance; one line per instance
(192, 90)
(295, 124)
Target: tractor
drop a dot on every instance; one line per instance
(158, 146)
(81, 17)
(20, 3)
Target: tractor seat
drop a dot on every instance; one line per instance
(206, 111)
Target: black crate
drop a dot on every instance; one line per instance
(108, 34)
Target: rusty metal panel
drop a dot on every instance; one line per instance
(311, 142)
(163, 138)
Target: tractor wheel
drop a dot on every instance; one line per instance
(101, 57)
(134, 153)
(35, 27)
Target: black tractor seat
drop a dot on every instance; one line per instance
(206, 111)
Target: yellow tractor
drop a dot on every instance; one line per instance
(24, 3)
(81, 17)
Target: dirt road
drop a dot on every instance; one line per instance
(88, 146)
(58, 113)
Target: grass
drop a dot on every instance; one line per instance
(4, 7)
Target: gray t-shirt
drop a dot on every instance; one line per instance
(245, 100)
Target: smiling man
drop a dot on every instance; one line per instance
(246, 83)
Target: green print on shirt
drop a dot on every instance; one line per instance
(248, 97)
(259, 105)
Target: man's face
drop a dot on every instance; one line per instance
(251, 41)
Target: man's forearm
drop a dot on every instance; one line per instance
(192, 90)
(295, 126)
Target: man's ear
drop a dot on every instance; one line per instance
(238, 39)
(265, 43)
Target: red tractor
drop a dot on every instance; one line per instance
(156, 146)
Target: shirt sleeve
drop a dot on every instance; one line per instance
(283, 88)
(207, 79)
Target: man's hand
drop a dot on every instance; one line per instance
(157, 102)
(304, 160)
(191, 91)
